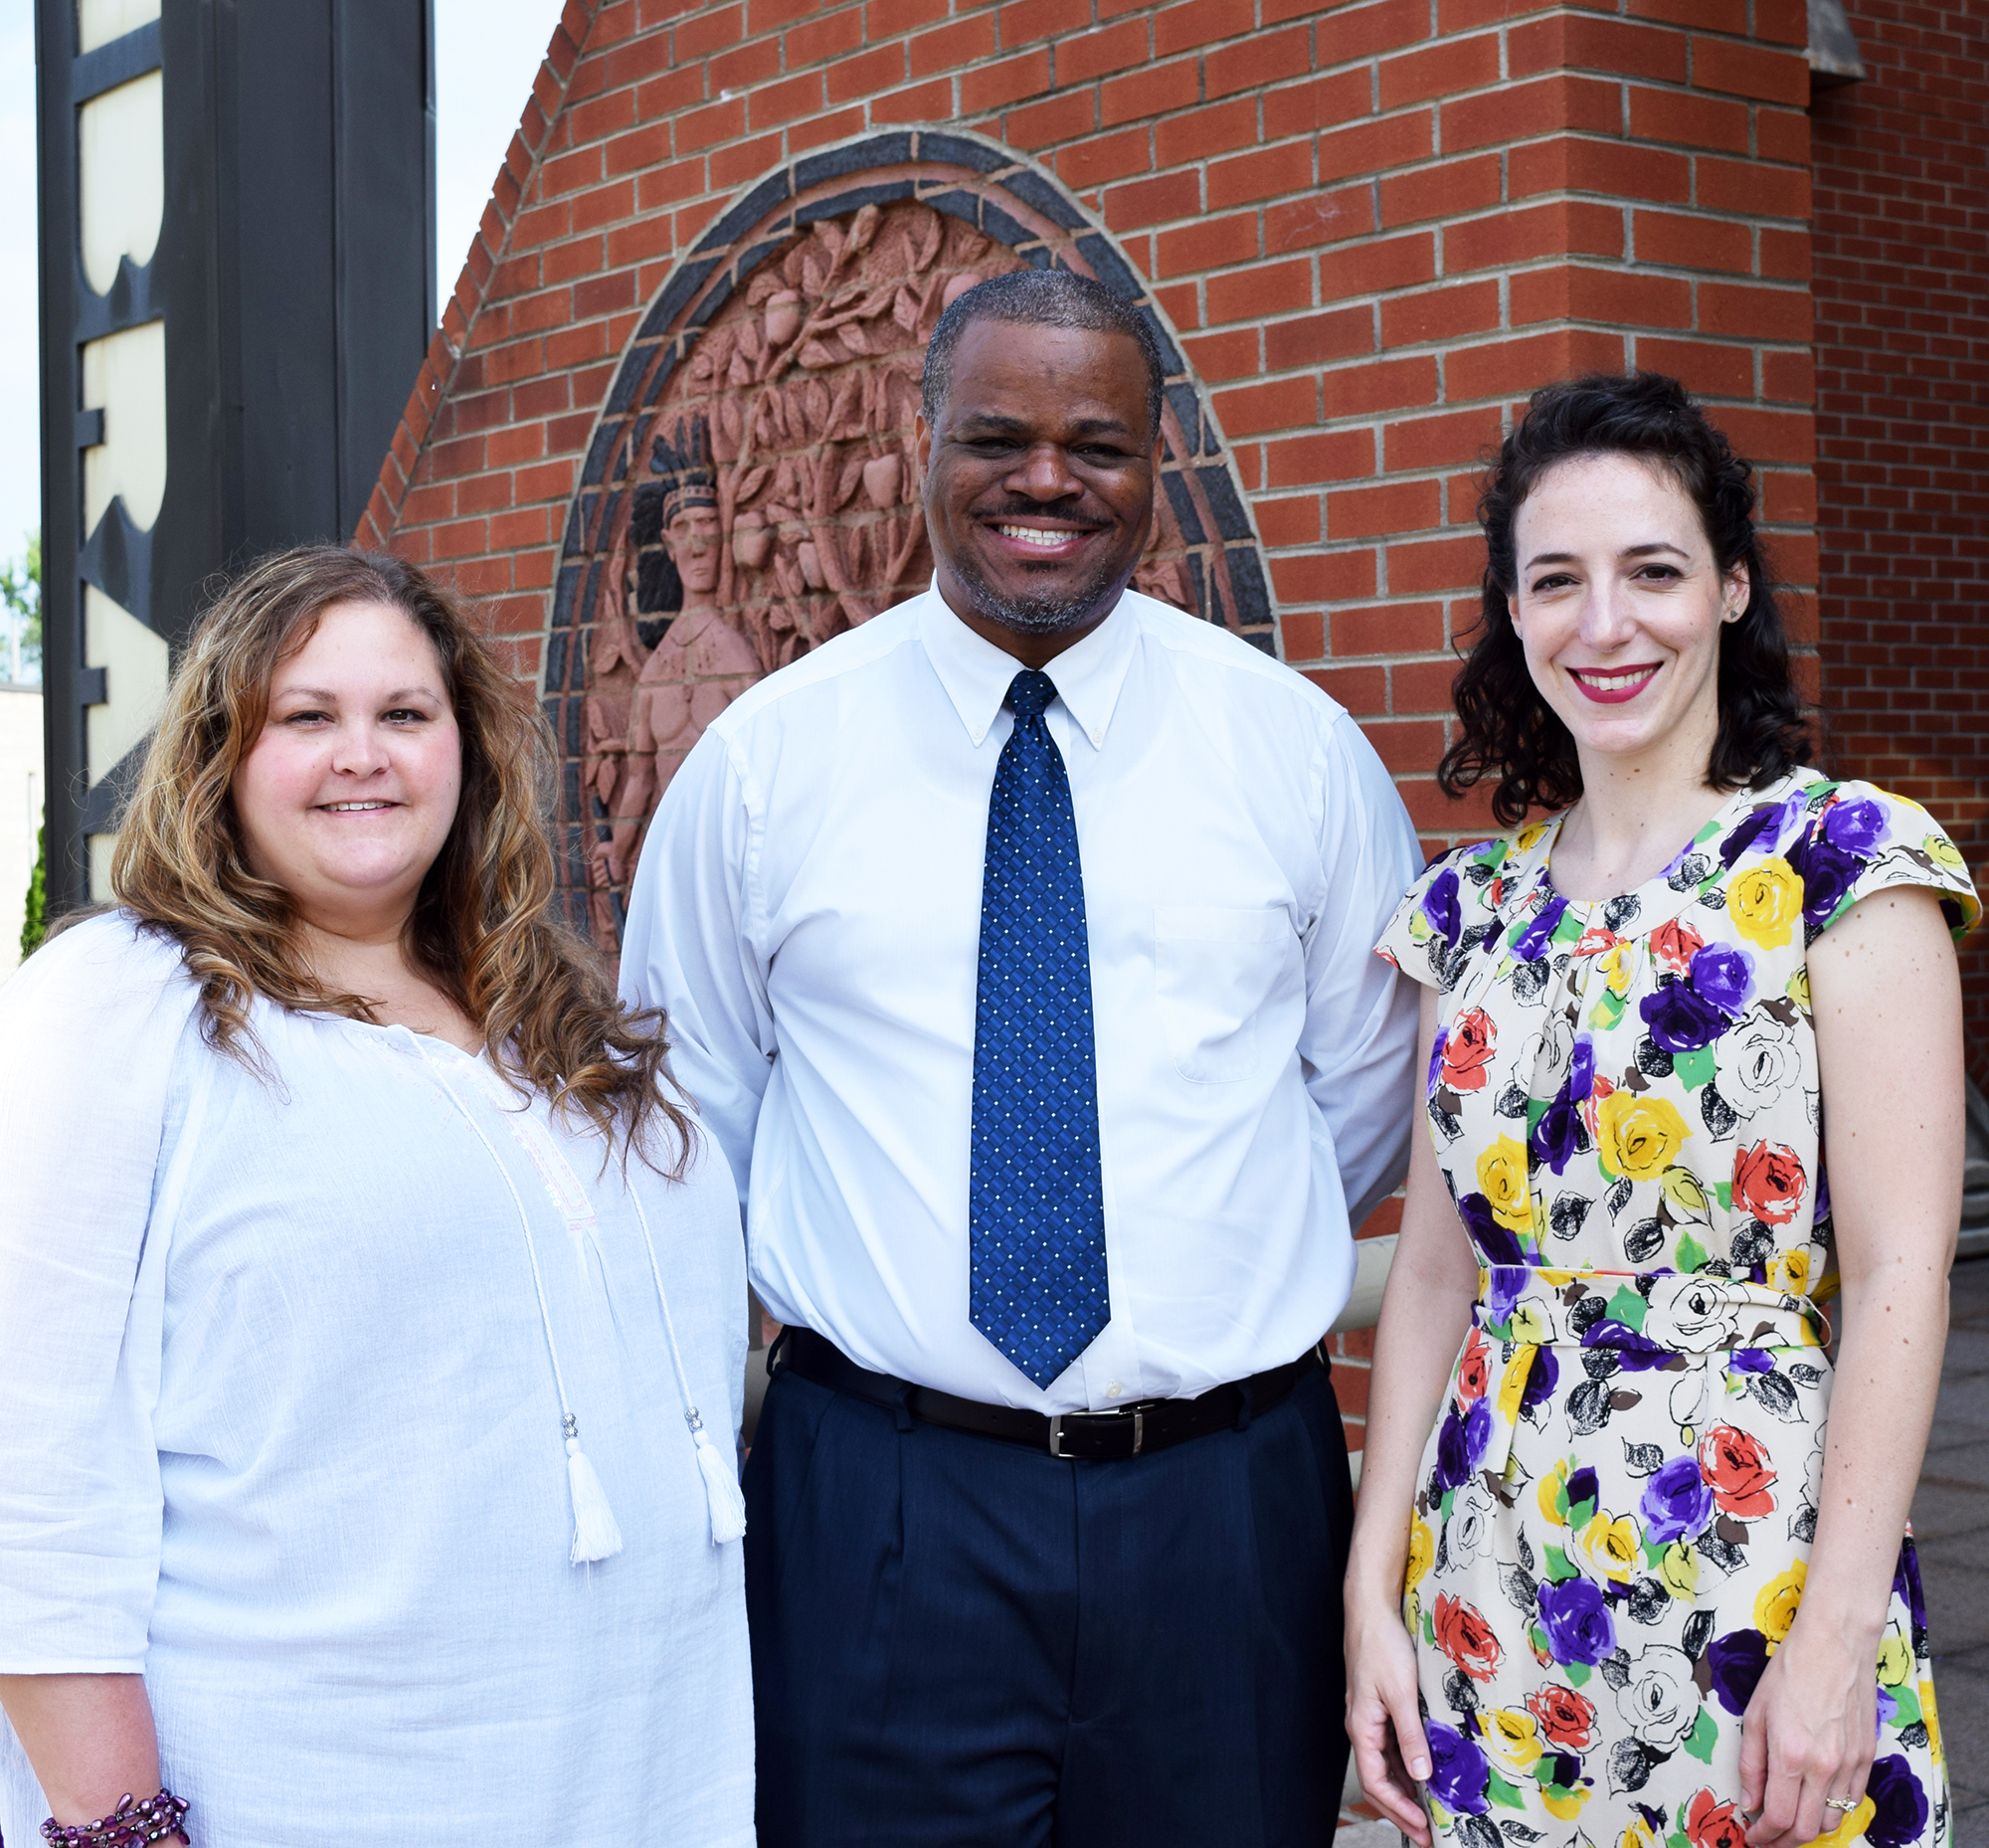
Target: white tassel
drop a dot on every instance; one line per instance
(721, 1491)
(595, 1535)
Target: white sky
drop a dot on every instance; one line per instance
(487, 52)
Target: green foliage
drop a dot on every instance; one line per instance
(35, 926)
(21, 593)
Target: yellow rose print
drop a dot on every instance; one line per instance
(1765, 902)
(1789, 1273)
(1677, 1571)
(1932, 1716)
(1943, 852)
(1895, 1661)
(1776, 1603)
(1511, 1738)
(1554, 1485)
(1799, 989)
(1639, 1133)
(1607, 1548)
(1565, 1805)
(1422, 1550)
(1527, 835)
(1639, 1834)
(1513, 1384)
(1618, 966)
(1501, 1173)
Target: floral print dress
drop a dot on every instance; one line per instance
(1617, 1504)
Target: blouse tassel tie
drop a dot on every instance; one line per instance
(723, 1500)
(594, 1533)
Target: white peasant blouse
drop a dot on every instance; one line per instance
(280, 1427)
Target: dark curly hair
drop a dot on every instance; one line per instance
(1508, 729)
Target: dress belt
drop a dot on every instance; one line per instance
(1653, 1323)
(1090, 1436)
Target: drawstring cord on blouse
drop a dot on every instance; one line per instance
(595, 1535)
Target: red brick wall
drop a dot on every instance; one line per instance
(1373, 226)
(1902, 251)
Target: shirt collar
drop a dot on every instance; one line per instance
(976, 674)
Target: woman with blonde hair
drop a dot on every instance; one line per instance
(1631, 1564)
(370, 1312)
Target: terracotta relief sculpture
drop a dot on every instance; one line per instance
(776, 505)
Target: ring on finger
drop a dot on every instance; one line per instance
(1846, 1803)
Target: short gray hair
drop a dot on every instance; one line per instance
(1040, 298)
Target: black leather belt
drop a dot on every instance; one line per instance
(1093, 1436)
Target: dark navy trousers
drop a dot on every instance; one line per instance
(963, 1643)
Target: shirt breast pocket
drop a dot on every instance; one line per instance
(1216, 969)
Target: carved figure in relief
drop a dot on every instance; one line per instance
(701, 664)
(778, 503)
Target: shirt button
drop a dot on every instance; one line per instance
(1114, 1390)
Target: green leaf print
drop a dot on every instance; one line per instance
(1627, 1306)
(1910, 1706)
(1722, 1190)
(1705, 1731)
(1535, 1109)
(1570, 929)
(1575, 1672)
(1503, 1793)
(1560, 1571)
(1691, 1254)
(1608, 1009)
(1694, 1069)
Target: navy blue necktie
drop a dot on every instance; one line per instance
(1035, 1199)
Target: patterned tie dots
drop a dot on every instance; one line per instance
(1035, 1200)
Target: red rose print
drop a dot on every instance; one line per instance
(1473, 1367)
(1768, 1182)
(1566, 1717)
(1672, 945)
(1595, 939)
(1710, 1824)
(1465, 1636)
(1736, 1468)
(1470, 1043)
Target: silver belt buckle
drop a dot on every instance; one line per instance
(1139, 1413)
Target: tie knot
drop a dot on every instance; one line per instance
(1029, 693)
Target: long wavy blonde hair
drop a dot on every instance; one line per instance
(481, 928)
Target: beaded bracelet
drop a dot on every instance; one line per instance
(130, 1825)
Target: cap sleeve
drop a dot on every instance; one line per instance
(1862, 840)
(1434, 914)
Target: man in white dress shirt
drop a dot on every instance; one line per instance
(1017, 949)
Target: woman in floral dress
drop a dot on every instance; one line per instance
(1651, 1600)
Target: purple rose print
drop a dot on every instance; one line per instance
(1737, 1660)
(1528, 945)
(1678, 1019)
(1496, 1245)
(1578, 1622)
(1558, 1137)
(1901, 1804)
(1581, 1071)
(1440, 907)
(1504, 1288)
(1437, 1045)
(1459, 1770)
(1724, 974)
(1583, 1486)
(1677, 1504)
(1460, 1444)
(1746, 834)
(1542, 1378)
(1855, 827)
(1639, 1355)
(1827, 874)
(1751, 1361)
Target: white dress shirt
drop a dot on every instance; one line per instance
(279, 1428)
(807, 908)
